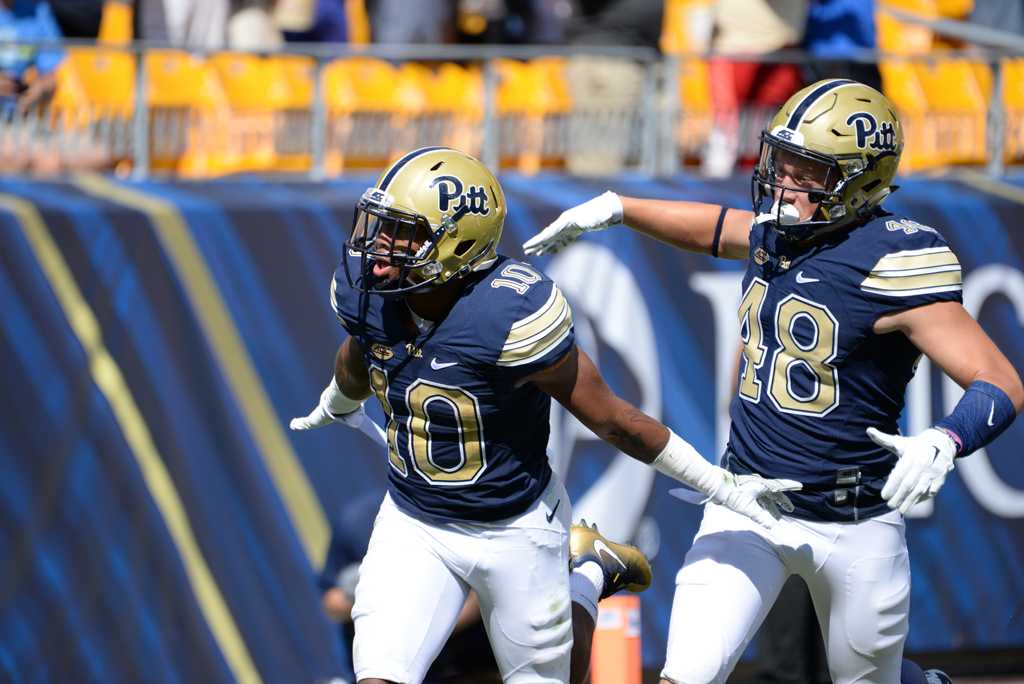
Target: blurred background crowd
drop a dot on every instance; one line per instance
(591, 86)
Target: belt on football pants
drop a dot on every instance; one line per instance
(840, 489)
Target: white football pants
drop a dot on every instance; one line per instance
(858, 574)
(416, 576)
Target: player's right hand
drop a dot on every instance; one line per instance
(755, 497)
(320, 417)
(334, 407)
(595, 214)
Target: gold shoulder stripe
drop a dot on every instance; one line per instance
(914, 284)
(917, 271)
(537, 350)
(934, 257)
(536, 335)
(549, 315)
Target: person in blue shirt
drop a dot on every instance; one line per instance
(27, 71)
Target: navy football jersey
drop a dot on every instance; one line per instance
(814, 376)
(467, 439)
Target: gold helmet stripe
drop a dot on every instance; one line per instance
(796, 118)
(397, 166)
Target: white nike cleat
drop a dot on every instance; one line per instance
(624, 565)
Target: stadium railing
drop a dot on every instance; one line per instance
(320, 109)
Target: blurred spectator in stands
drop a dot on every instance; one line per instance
(27, 82)
(429, 22)
(250, 26)
(606, 91)
(209, 24)
(754, 88)
(524, 22)
(312, 21)
(838, 32)
(27, 72)
(616, 22)
(78, 18)
(466, 658)
(1005, 15)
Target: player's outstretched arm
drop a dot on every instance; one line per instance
(694, 226)
(947, 334)
(342, 399)
(577, 384)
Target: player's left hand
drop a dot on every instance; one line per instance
(924, 461)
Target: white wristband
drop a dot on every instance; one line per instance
(335, 401)
(680, 461)
(614, 205)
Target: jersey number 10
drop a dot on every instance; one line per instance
(813, 355)
(421, 445)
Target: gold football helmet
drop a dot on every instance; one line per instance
(846, 139)
(436, 214)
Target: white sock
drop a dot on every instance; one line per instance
(585, 586)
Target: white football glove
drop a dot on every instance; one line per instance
(334, 406)
(757, 498)
(924, 461)
(595, 214)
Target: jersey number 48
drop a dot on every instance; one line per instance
(808, 357)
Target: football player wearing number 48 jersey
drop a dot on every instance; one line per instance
(840, 299)
(464, 349)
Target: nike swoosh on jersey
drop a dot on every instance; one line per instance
(602, 548)
(438, 366)
(991, 415)
(802, 279)
(553, 510)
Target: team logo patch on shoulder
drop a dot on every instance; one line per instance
(760, 256)
(453, 195)
(870, 134)
(381, 351)
(908, 226)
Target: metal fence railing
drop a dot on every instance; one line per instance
(325, 109)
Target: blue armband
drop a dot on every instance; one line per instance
(980, 416)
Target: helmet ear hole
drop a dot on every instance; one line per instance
(463, 247)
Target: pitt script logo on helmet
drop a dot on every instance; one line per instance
(846, 140)
(436, 214)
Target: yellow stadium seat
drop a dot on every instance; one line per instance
(898, 37)
(189, 115)
(99, 80)
(457, 100)
(373, 108)
(94, 100)
(957, 100)
(685, 26)
(1013, 106)
(341, 100)
(903, 87)
(954, 9)
(116, 22)
(529, 95)
(270, 100)
(696, 113)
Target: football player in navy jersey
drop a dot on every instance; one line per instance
(840, 299)
(464, 349)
